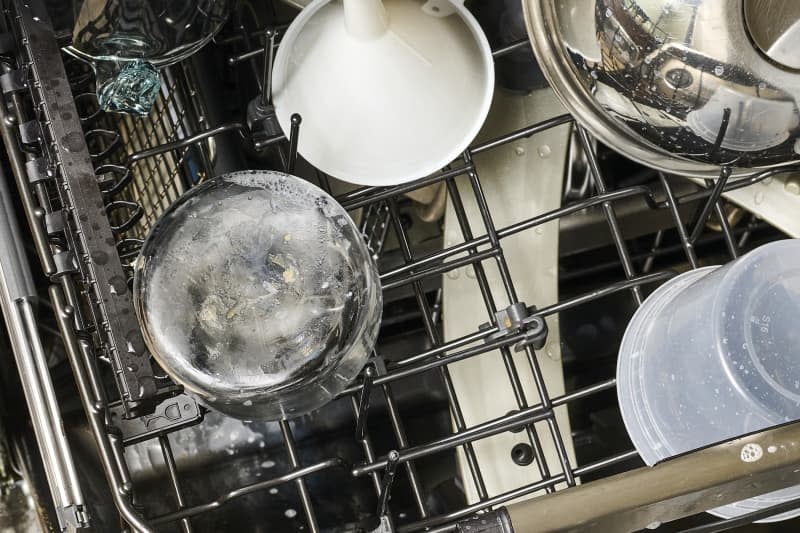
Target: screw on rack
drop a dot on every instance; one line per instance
(517, 318)
(293, 136)
(522, 454)
(386, 489)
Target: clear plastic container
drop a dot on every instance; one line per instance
(711, 355)
(257, 293)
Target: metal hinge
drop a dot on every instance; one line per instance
(30, 132)
(54, 223)
(73, 517)
(14, 81)
(38, 170)
(65, 263)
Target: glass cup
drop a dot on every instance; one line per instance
(257, 293)
(127, 41)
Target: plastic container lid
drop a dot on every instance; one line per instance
(711, 355)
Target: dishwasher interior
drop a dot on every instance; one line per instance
(402, 448)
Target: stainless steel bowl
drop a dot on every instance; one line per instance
(679, 85)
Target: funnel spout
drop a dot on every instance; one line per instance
(365, 19)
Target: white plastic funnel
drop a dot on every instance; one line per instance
(388, 91)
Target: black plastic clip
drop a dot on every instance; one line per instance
(173, 413)
(517, 318)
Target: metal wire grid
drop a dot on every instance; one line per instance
(479, 244)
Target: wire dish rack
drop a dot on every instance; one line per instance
(93, 184)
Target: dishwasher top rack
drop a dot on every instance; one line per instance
(87, 217)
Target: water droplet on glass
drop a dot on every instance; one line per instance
(544, 151)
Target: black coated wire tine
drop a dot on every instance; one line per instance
(505, 275)
(305, 496)
(608, 211)
(705, 213)
(369, 453)
(748, 232)
(546, 402)
(387, 481)
(648, 262)
(92, 99)
(740, 183)
(402, 440)
(129, 248)
(368, 195)
(293, 137)
(688, 246)
(430, 327)
(266, 84)
(727, 233)
(400, 275)
(111, 138)
(510, 366)
(394, 415)
(119, 183)
(245, 36)
(172, 470)
(723, 129)
(363, 402)
(488, 223)
(725, 226)
(466, 234)
(135, 208)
